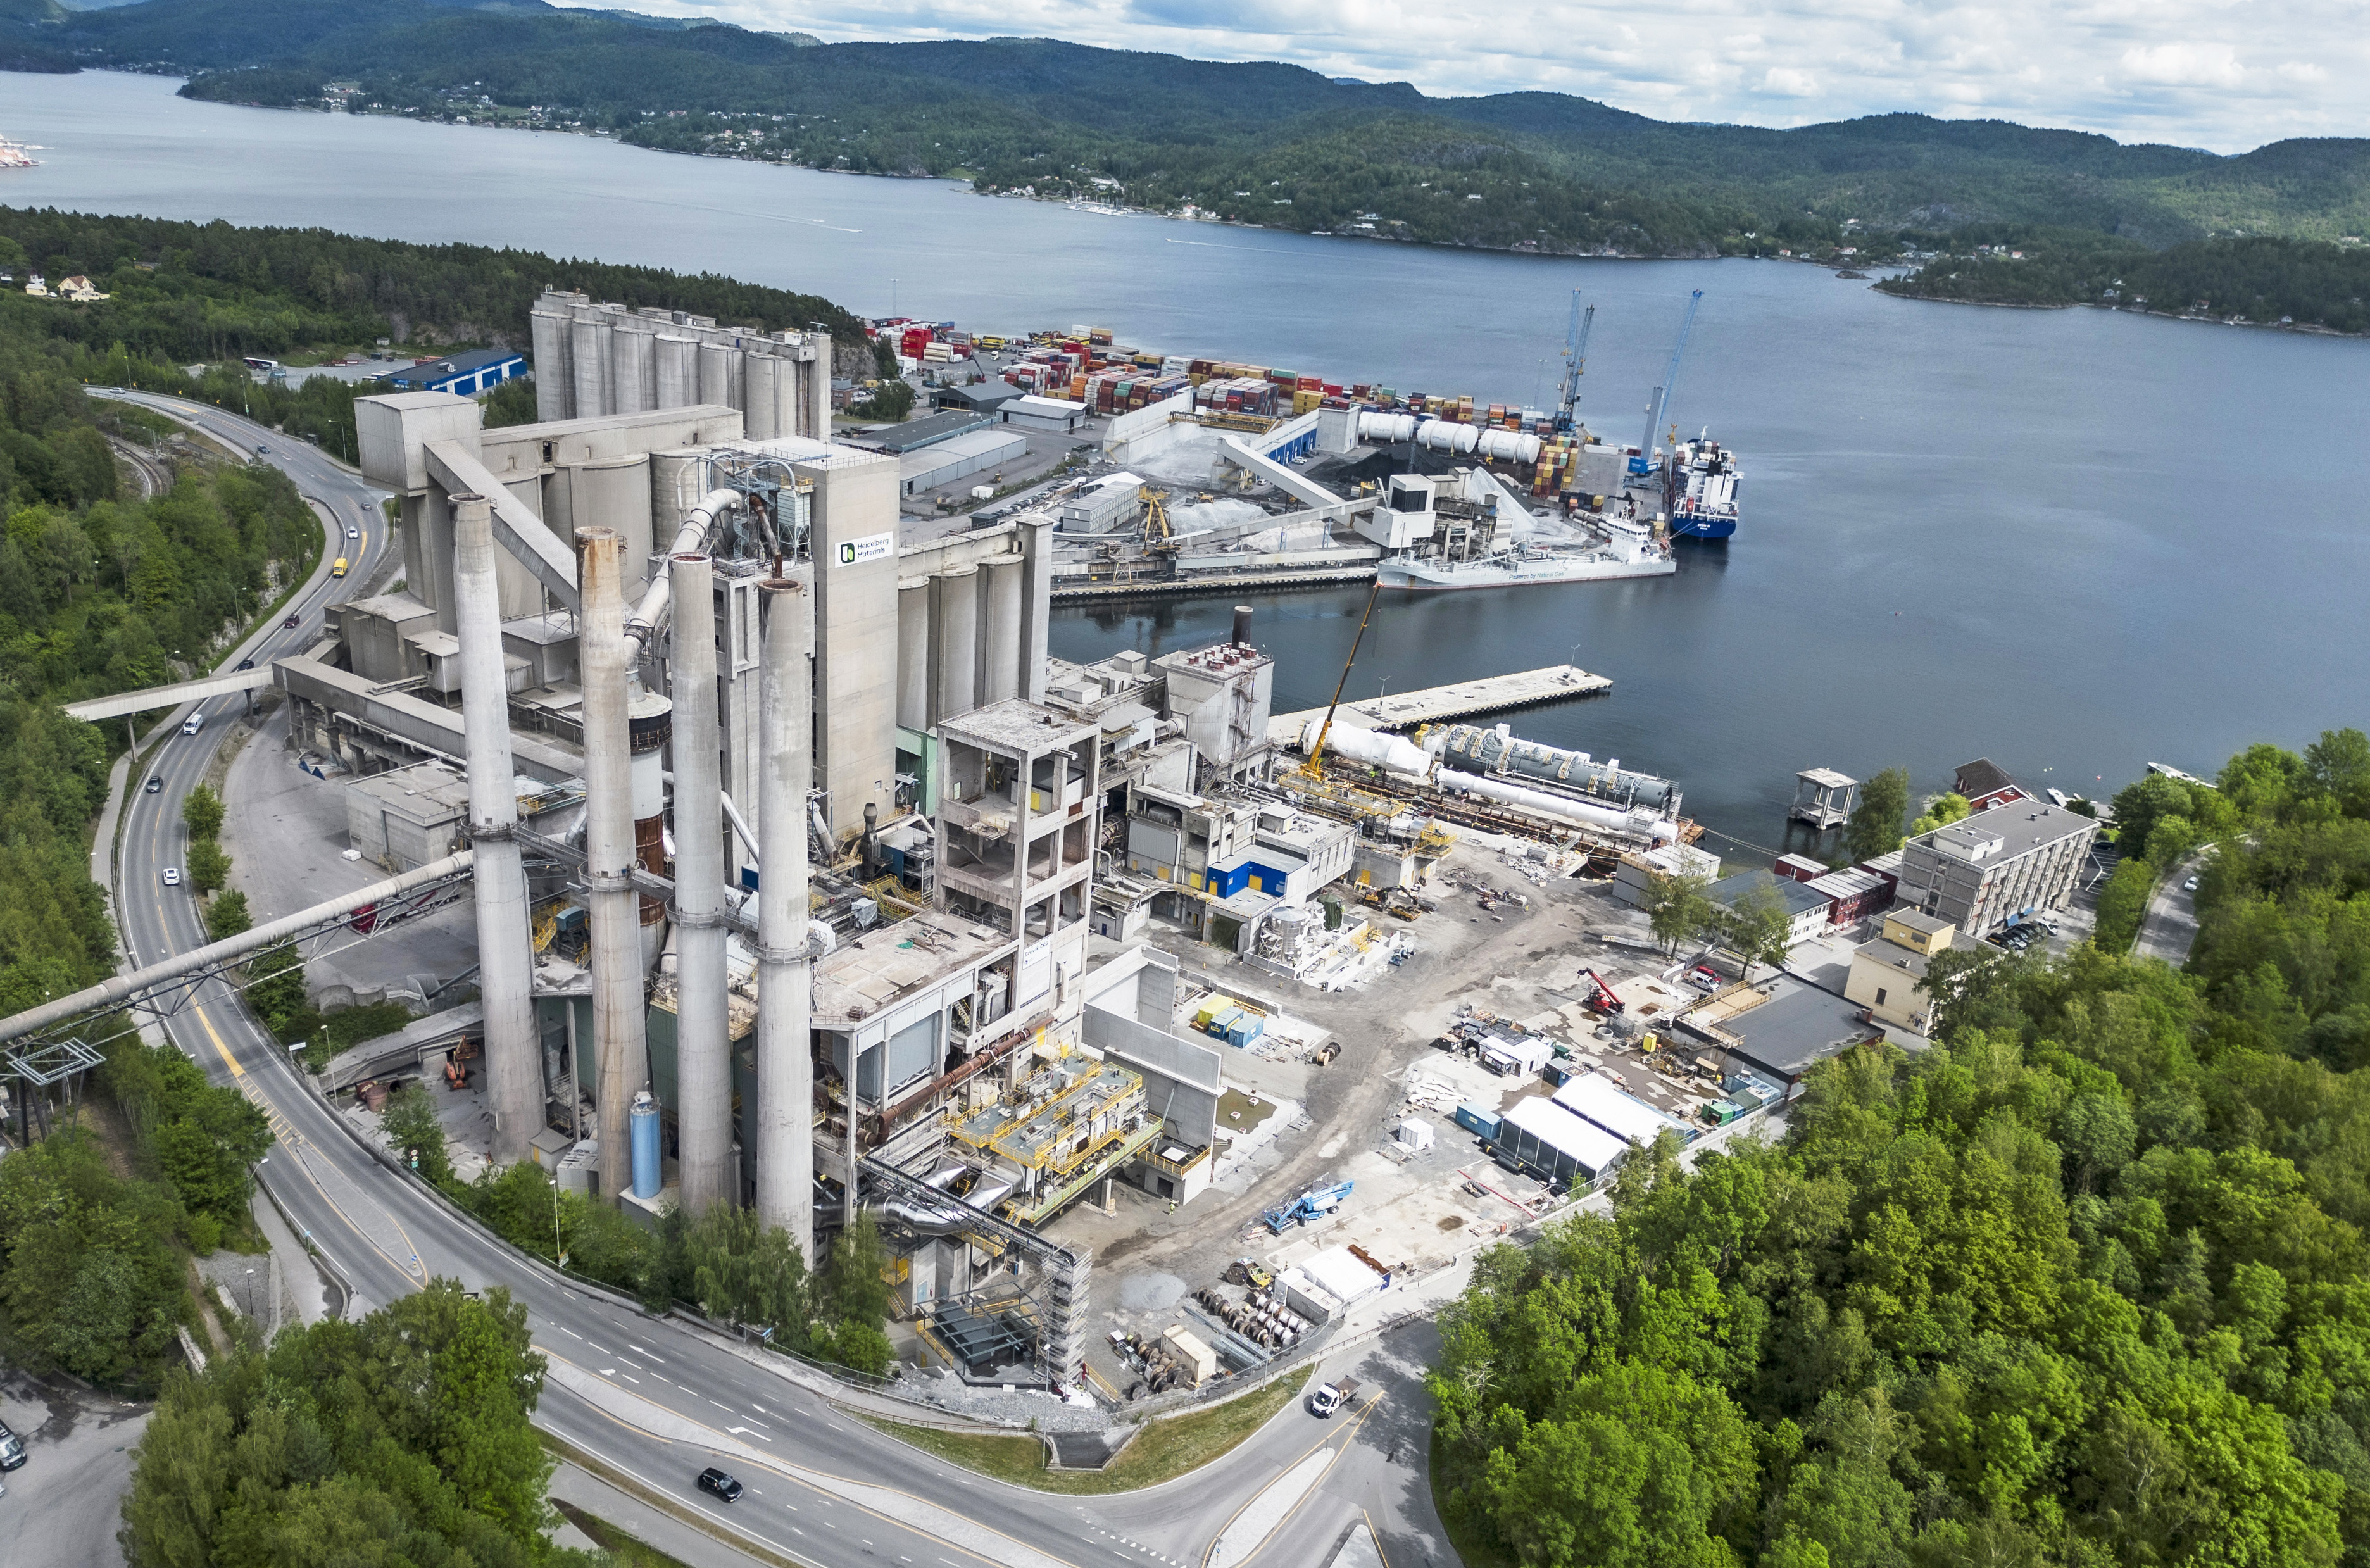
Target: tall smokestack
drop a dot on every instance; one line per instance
(784, 1057)
(1242, 638)
(505, 962)
(703, 1111)
(619, 1041)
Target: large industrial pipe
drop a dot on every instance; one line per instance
(620, 1042)
(1541, 803)
(703, 1111)
(505, 954)
(785, 1120)
(1003, 582)
(692, 537)
(114, 993)
(1242, 635)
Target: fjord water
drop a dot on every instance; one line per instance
(2072, 541)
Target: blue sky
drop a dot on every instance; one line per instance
(2228, 74)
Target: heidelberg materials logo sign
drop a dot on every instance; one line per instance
(874, 546)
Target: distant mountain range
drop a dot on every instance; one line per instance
(1258, 143)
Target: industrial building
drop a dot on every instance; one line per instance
(593, 360)
(479, 370)
(1888, 975)
(2021, 858)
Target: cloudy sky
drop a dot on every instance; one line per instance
(2228, 74)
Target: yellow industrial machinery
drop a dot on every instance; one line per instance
(1157, 533)
(1315, 765)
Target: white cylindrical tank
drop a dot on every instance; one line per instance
(1395, 754)
(1445, 435)
(1645, 824)
(614, 494)
(1003, 633)
(759, 372)
(586, 340)
(674, 484)
(954, 642)
(631, 373)
(553, 385)
(1374, 426)
(677, 361)
(914, 656)
(1510, 445)
(720, 374)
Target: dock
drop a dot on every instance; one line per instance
(1459, 700)
(1075, 588)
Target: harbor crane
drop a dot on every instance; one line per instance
(1661, 400)
(1575, 350)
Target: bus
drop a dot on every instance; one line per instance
(340, 568)
(256, 361)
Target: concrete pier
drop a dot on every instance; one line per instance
(1458, 699)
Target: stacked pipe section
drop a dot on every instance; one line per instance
(620, 1042)
(505, 961)
(703, 1110)
(785, 1122)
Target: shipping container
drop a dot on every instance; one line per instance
(1477, 1119)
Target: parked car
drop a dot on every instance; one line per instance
(1704, 977)
(172, 876)
(714, 1480)
(154, 786)
(12, 1449)
(2188, 886)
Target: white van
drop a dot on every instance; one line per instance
(194, 723)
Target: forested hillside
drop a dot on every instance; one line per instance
(2257, 280)
(2084, 1284)
(1259, 142)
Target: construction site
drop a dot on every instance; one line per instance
(1152, 1029)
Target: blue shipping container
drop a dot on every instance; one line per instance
(1475, 1119)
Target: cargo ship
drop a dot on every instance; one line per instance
(1699, 482)
(16, 154)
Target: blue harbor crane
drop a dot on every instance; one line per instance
(1661, 400)
(1575, 351)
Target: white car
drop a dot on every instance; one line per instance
(2188, 886)
(172, 876)
(353, 532)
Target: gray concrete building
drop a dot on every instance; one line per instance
(2012, 862)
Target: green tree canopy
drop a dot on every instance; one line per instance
(1875, 826)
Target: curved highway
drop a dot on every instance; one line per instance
(660, 1400)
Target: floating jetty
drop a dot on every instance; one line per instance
(1074, 589)
(1459, 700)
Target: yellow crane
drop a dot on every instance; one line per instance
(1157, 533)
(1315, 765)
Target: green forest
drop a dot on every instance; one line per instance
(1256, 142)
(2264, 281)
(2085, 1284)
(402, 1438)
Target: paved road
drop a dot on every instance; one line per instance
(662, 1401)
(2170, 928)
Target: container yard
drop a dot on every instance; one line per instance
(1220, 475)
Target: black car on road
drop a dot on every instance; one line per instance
(722, 1485)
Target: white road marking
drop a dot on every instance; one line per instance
(726, 1408)
(654, 1355)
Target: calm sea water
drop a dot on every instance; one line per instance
(2072, 541)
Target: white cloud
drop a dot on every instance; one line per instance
(2184, 65)
(2198, 73)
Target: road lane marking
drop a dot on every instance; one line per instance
(572, 1333)
(654, 1354)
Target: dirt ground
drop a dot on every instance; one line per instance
(1518, 963)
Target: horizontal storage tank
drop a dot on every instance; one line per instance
(1510, 447)
(1387, 428)
(1442, 435)
(1470, 748)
